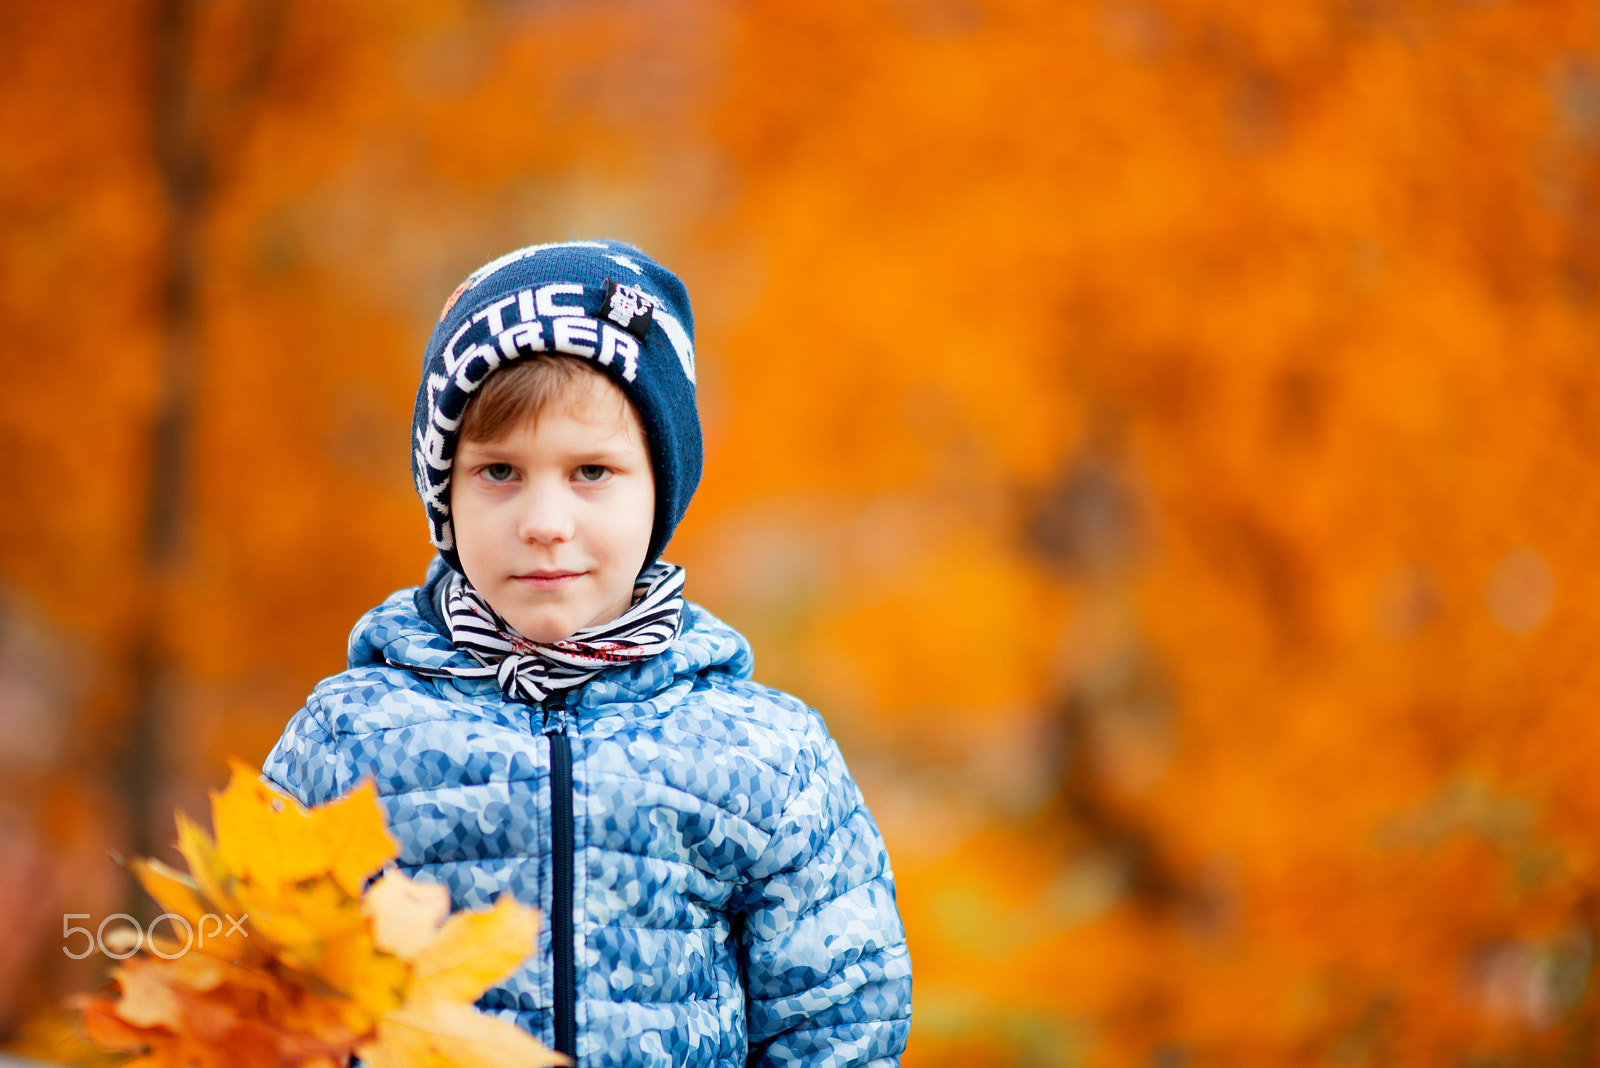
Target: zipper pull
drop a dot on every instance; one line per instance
(555, 712)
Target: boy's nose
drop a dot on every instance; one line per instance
(545, 516)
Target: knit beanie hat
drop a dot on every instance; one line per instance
(603, 301)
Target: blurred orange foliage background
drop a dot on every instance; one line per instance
(1158, 434)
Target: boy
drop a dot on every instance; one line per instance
(547, 715)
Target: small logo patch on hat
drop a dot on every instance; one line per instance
(629, 307)
(451, 303)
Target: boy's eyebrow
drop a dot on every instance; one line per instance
(597, 456)
(484, 449)
(489, 450)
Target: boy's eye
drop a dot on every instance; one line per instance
(498, 472)
(592, 473)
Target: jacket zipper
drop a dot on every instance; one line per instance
(561, 859)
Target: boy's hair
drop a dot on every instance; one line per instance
(523, 391)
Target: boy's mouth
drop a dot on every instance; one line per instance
(547, 580)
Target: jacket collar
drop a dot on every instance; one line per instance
(406, 631)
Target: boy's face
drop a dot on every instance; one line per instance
(553, 520)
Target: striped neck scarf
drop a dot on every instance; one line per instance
(531, 671)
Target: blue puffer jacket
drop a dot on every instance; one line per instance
(715, 891)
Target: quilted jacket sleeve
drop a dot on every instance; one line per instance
(308, 762)
(828, 978)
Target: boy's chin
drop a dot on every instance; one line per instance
(546, 632)
(549, 629)
(551, 623)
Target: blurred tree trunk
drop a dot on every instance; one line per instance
(195, 130)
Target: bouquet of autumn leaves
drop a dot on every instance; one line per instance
(296, 966)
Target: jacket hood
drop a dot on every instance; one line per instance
(404, 631)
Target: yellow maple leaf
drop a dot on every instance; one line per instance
(271, 839)
(211, 877)
(374, 980)
(299, 917)
(182, 895)
(452, 965)
(434, 1033)
(474, 950)
(406, 915)
(173, 891)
